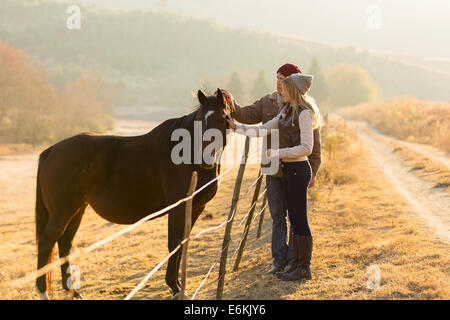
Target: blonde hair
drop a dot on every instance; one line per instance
(299, 100)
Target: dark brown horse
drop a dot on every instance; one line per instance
(124, 179)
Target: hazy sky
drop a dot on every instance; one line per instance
(415, 27)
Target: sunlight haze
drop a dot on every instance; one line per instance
(416, 27)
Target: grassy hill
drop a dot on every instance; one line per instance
(159, 58)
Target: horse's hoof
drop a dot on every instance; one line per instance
(176, 296)
(43, 296)
(75, 295)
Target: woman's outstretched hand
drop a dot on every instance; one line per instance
(228, 96)
(231, 122)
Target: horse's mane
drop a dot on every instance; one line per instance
(168, 126)
(163, 132)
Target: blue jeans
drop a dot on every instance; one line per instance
(281, 250)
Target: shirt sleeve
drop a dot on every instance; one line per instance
(251, 114)
(305, 122)
(315, 158)
(258, 131)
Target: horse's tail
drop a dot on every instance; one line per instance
(41, 214)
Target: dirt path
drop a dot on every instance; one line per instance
(432, 205)
(427, 151)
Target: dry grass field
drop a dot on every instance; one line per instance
(358, 218)
(408, 119)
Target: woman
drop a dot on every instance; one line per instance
(295, 123)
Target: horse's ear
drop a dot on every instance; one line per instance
(201, 97)
(220, 98)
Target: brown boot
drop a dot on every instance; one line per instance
(290, 267)
(275, 269)
(293, 262)
(302, 246)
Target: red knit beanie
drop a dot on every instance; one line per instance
(287, 69)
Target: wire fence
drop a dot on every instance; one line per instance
(102, 242)
(153, 271)
(228, 221)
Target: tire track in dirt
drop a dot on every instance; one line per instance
(427, 151)
(432, 205)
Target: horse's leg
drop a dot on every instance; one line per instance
(46, 243)
(176, 233)
(175, 230)
(195, 214)
(65, 245)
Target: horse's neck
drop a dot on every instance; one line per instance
(184, 122)
(189, 119)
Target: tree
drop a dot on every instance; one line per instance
(319, 88)
(33, 111)
(85, 104)
(261, 86)
(236, 87)
(350, 85)
(26, 98)
(207, 86)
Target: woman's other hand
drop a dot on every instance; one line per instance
(312, 182)
(272, 153)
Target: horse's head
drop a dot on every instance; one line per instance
(212, 114)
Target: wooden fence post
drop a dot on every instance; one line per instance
(249, 222)
(234, 203)
(261, 218)
(187, 231)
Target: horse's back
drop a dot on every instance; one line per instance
(122, 178)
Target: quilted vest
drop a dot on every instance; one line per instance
(288, 127)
